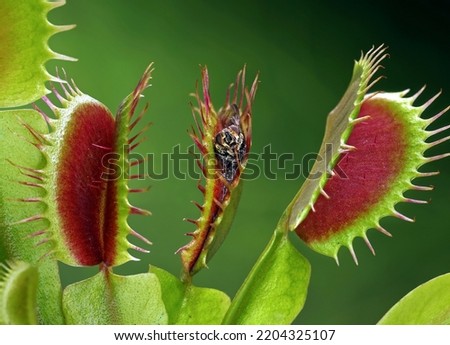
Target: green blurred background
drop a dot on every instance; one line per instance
(304, 51)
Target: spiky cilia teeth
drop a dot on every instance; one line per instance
(390, 148)
(86, 208)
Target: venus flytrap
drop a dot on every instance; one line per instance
(377, 146)
(224, 139)
(388, 152)
(64, 195)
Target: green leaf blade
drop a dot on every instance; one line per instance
(428, 304)
(275, 290)
(187, 304)
(107, 299)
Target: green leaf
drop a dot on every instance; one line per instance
(190, 305)
(18, 283)
(109, 299)
(428, 304)
(49, 294)
(24, 39)
(19, 195)
(275, 290)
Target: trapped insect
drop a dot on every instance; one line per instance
(230, 146)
